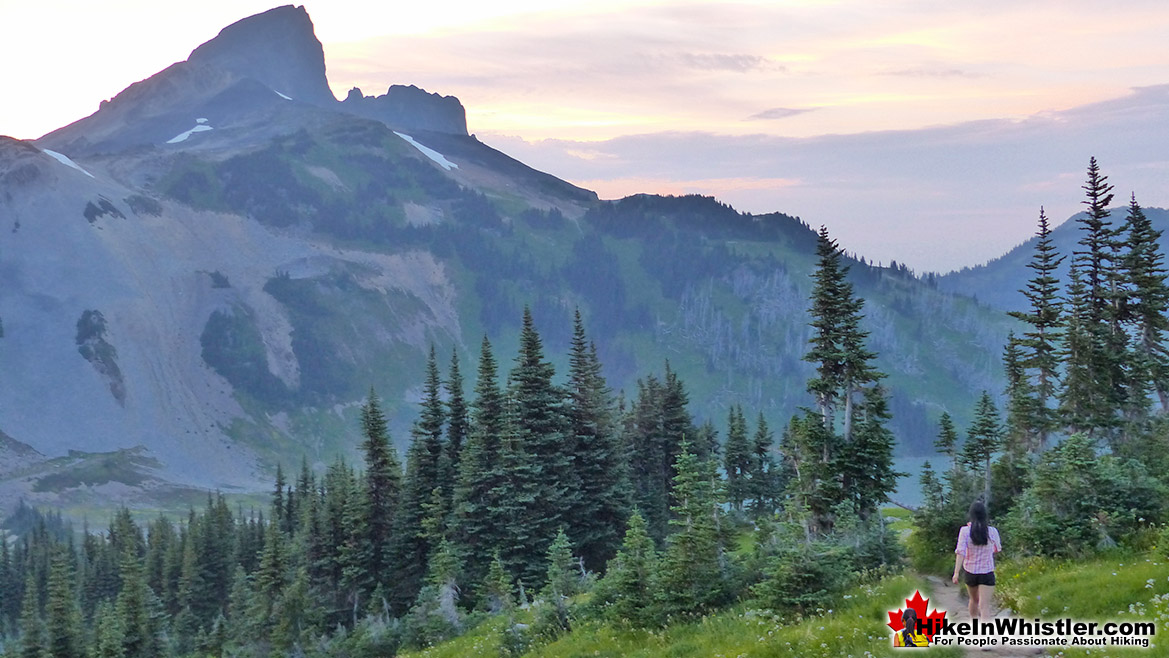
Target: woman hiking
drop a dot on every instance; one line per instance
(977, 544)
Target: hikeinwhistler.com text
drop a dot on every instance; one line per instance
(1015, 632)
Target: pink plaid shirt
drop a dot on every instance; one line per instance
(978, 559)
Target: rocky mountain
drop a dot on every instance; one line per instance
(205, 277)
(998, 282)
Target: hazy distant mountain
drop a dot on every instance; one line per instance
(220, 262)
(997, 284)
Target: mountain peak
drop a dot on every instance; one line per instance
(278, 48)
(410, 108)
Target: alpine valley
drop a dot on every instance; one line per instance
(204, 279)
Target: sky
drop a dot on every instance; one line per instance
(924, 132)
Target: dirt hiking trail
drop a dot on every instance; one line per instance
(947, 596)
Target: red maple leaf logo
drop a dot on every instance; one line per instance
(929, 624)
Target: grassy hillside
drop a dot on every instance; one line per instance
(856, 628)
(1122, 585)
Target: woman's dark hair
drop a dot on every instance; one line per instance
(978, 524)
(910, 619)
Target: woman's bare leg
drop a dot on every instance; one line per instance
(974, 602)
(986, 601)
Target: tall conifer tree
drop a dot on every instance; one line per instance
(1100, 315)
(1040, 343)
(1147, 311)
(383, 483)
(478, 526)
(598, 511)
(456, 429)
(764, 471)
(540, 458)
(409, 548)
(63, 619)
(1080, 404)
(983, 439)
(737, 456)
(868, 462)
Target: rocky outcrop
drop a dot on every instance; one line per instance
(278, 48)
(410, 108)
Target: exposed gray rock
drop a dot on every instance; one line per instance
(410, 108)
(278, 48)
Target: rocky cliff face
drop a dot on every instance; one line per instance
(410, 108)
(277, 48)
(266, 64)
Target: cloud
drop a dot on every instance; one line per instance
(740, 63)
(780, 113)
(932, 73)
(934, 198)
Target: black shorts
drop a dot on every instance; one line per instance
(979, 579)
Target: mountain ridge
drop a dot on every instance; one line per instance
(998, 283)
(258, 263)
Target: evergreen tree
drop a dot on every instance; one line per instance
(829, 290)
(931, 487)
(1100, 313)
(947, 441)
(1080, 406)
(279, 513)
(737, 457)
(1098, 239)
(647, 456)
(478, 527)
(109, 632)
(706, 441)
(599, 506)
(692, 574)
(677, 425)
(295, 616)
(982, 440)
(241, 628)
(1040, 344)
(32, 641)
(160, 537)
(828, 462)
(515, 503)
(63, 619)
(1022, 431)
(354, 553)
(868, 464)
(457, 427)
(563, 575)
(537, 457)
(273, 572)
(764, 471)
(379, 502)
(140, 635)
(1147, 311)
(630, 579)
(498, 588)
(409, 548)
(9, 587)
(814, 486)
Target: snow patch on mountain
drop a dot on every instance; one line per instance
(287, 98)
(64, 159)
(200, 126)
(429, 152)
